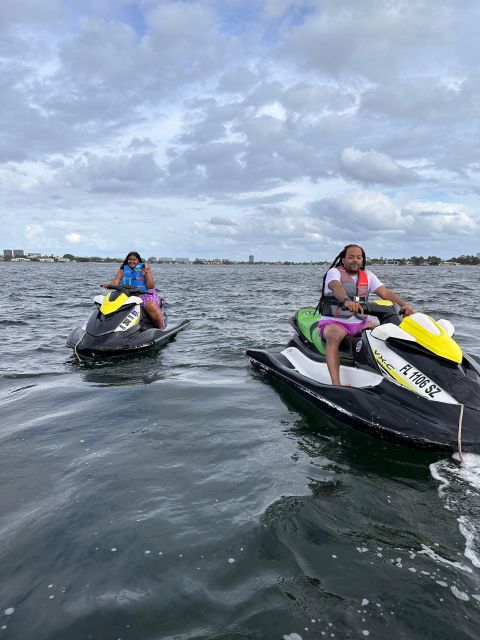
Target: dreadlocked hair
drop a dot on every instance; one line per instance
(336, 263)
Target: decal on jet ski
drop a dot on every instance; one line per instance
(130, 321)
(406, 374)
(418, 378)
(386, 365)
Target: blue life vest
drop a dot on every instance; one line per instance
(134, 277)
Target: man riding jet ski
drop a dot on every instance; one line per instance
(404, 380)
(345, 285)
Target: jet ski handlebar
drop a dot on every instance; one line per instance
(125, 288)
(384, 312)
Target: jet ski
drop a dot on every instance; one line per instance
(406, 380)
(119, 325)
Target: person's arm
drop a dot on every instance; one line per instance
(115, 282)
(342, 297)
(387, 294)
(149, 279)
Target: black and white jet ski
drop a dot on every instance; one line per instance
(119, 326)
(408, 380)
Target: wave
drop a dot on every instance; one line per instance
(459, 490)
(8, 323)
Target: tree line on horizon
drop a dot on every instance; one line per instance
(415, 260)
(430, 260)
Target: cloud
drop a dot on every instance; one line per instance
(361, 211)
(373, 40)
(31, 12)
(372, 167)
(226, 222)
(74, 238)
(108, 173)
(271, 127)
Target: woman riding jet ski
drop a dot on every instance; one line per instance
(129, 319)
(405, 380)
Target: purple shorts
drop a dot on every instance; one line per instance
(351, 329)
(150, 296)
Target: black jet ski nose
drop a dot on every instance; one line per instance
(114, 294)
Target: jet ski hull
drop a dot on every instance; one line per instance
(116, 344)
(376, 406)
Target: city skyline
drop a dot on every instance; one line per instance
(21, 255)
(283, 128)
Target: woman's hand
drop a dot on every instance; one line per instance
(106, 285)
(147, 267)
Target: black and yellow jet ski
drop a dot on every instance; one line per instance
(405, 381)
(120, 326)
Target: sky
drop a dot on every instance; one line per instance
(223, 128)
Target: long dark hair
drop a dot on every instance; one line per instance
(131, 253)
(336, 263)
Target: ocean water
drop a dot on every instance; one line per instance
(183, 495)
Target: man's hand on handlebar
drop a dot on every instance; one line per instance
(354, 307)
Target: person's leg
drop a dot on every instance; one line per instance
(333, 335)
(155, 314)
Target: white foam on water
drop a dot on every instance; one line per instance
(292, 636)
(459, 490)
(470, 532)
(438, 558)
(461, 595)
(9, 611)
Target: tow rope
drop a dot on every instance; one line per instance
(459, 434)
(76, 345)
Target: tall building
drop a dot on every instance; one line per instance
(7, 254)
(251, 259)
(18, 253)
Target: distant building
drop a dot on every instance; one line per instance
(182, 260)
(34, 255)
(153, 259)
(251, 259)
(478, 255)
(165, 259)
(7, 254)
(18, 253)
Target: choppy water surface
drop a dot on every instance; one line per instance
(185, 496)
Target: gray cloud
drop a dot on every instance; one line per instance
(239, 125)
(372, 167)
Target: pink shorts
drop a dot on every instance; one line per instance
(351, 329)
(151, 296)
